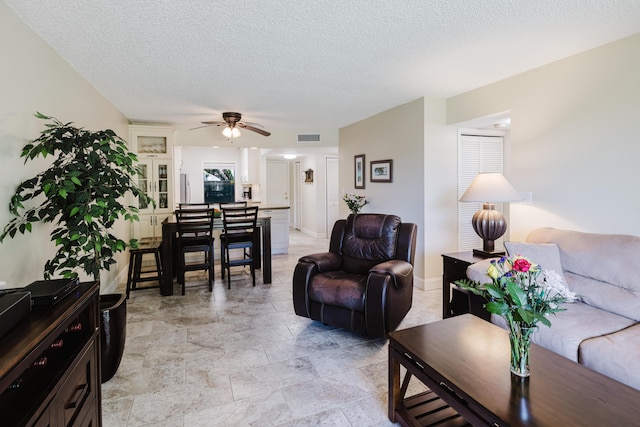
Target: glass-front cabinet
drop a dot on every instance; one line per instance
(151, 141)
(154, 147)
(155, 181)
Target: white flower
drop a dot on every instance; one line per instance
(552, 283)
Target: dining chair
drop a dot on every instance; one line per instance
(240, 232)
(195, 235)
(194, 205)
(238, 204)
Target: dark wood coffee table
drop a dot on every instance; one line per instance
(465, 362)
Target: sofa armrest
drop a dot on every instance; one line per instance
(401, 272)
(325, 261)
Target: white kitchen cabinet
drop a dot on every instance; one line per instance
(149, 141)
(150, 225)
(279, 229)
(154, 148)
(156, 181)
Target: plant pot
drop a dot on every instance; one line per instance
(113, 328)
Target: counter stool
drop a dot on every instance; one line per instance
(145, 246)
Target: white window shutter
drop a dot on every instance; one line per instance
(475, 154)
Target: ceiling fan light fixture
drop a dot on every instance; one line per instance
(231, 132)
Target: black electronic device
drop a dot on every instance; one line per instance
(15, 304)
(47, 293)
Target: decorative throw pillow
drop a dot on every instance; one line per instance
(546, 255)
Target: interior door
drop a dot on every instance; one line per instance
(277, 183)
(333, 198)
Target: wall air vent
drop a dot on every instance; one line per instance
(309, 137)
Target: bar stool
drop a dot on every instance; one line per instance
(145, 246)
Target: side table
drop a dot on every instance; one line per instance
(455, 301)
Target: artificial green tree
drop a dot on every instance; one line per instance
(81, 192)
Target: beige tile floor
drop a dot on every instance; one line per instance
(241, 357)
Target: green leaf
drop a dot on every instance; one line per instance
(74, 211)
(516, 293)
(63, 193)
(75, 180)
(498, 308)
(494, 291)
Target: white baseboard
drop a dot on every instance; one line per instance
(432, 284)
(112, 285)
(313, 233)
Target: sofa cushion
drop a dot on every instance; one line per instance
(601, 266)
(546, 255)
(571, 327)
(477, 272)
(615, 355)
(369, 239)
(339, 288)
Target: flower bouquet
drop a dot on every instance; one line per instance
(523, 294)
(355, 203)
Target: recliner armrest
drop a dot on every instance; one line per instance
(325, 261)
(400, 271)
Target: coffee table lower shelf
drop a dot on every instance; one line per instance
(427, 409)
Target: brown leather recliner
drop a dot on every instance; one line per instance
(365, 282)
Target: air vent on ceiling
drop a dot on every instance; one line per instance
(309, 137)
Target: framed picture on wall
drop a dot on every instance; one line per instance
(381, 171)
(358, 170)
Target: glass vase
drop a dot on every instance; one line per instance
(520, 335)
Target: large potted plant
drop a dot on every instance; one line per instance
(82, 193)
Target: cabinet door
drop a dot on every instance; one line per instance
(155, 180)
(44, 420)
(162, 185)
(149, 225)
(145, 183)
(151, 141)
(145, 227)
(279, 230)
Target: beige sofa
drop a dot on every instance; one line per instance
(601, 329)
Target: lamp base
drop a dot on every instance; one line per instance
(488, 254)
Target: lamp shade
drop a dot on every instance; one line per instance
(490, 187)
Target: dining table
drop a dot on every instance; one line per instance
(169, 252)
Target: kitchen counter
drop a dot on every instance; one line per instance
(262, 207)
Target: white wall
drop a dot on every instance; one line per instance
(192, 162)
(34, 78)
(397, 134)
(440, 190)
(574, 139)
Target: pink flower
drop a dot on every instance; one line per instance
(522, 265)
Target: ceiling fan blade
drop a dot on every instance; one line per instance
(254, 124)
(217, 123)
(200, 127)
(254, 129)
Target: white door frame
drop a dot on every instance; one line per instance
(297, 202)
(327, 159)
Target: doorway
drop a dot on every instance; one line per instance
(331, 193)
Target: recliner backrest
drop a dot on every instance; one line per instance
(368, 240)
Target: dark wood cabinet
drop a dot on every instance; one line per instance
(456, 301)
(50, 365)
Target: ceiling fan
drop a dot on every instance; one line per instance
(232, 123)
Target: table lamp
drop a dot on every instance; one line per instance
(489, 223)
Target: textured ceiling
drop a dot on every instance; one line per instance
(306, 64)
